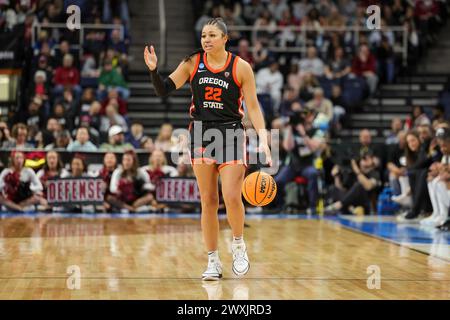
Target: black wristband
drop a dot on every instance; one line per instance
(162, 87)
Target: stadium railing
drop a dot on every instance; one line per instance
(399, 47)
(37, 27)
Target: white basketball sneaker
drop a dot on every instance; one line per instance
(214, 270)
(241, 264)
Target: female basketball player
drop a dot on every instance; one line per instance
(219, 81)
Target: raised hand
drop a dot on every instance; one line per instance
(150, 58)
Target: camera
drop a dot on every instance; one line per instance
(298, 117)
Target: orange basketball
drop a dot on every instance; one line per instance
(259, 189)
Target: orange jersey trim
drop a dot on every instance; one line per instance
(235, 72)
(197, 62)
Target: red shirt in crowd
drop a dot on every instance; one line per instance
(67, 76)
(122, 106)
(425, 10)
(359, 66)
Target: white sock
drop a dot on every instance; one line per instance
(213, 255)
(238, 240)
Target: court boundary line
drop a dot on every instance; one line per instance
(355, 230)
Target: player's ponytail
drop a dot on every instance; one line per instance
(219, 23)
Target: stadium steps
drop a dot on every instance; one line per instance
(144, 30)
(152, 111)
(395, 100)
(435, 60)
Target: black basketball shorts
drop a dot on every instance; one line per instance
(222, 143)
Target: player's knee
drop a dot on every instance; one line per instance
(210, 201)
(232, 197)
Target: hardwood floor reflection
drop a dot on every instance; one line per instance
(162, 258)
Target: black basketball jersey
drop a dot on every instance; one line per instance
(216, 93)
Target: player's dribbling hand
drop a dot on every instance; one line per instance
(150, 57)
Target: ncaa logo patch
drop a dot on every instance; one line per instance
(201, 65)
(227, 74)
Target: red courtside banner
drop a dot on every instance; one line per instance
(177, 190)
(86, 190)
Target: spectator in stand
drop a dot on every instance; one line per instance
(90, 69)
(111, 78)
(86, 100)
(252, 10)
(112, 117)
(130, 186)
(117, 44)
(366, 146)
(301, 141)
(63, 50)
(116, 141)
(62, 140)
(338, 66)
(266, 21)
(50, 132)
(396, 127)
(309, 84)
(364, 65)
(78, 169)
(165, 141)
(427, 16)
(289, 98)
(311, 64)
(320, 104)
(19, 135)
(20, 188)
(53, 168)
(41, 89)
(113, 96)
(63, 117)
(42, 64)
(119, 9)
(419, 117)
(67, 77)
(293, 79)
(439, 182)
(287, 37)
(148, 145)
(158, 168)
(398, 178)
(82, 143)
(94, 42)
(93, 117)
(232, 20)
(35, 114)
(137, 137)
(244, 52)
(385, 61)
(361, 192)
(418, 160)
(5, 136)
(270, 81)
(109, 165)
(260, 55)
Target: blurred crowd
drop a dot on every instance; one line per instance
(77, 103)
(347, 65)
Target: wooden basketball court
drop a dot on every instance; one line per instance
(150, 257)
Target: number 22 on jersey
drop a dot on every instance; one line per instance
(213, 94)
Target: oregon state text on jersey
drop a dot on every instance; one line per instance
(216, 93)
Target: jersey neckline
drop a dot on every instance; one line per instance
(217, 70)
